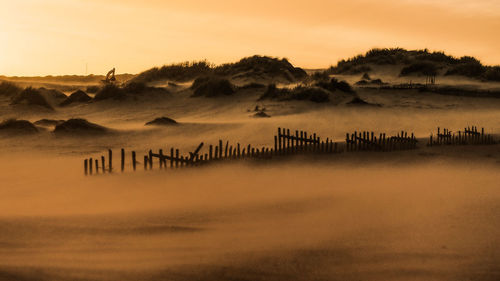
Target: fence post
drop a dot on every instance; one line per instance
(85, 166)
(110, 160)
(225, 150)
(220, 149)
(103, 164)
(123, 159)
(150, 158)
(177, 158)
(145, 162)
(160, 154)
(239, 151)
(134, 162)
(90, 166)
(96, 166)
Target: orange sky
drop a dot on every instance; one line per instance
(42, 37)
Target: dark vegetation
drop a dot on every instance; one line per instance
(14, 126)
(357, 101)
(454, 91)
(132, 89)
(319, 92)
(92, 89)
(76, 97)
(252, 85)
(162, 121)
(48, 122)
(9, 89)
(212, 86)
(314, 94)
(366, 80)
(79, 127)
(418, 62)
(110, 91)
(261, 114)
(334, 85)
(251, 67)
(32, 97)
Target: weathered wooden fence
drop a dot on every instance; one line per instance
(360, 141)
(286, 142)
(469, 136)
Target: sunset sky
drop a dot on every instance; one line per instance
(42, 37)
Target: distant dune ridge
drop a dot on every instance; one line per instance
(417, 62)
(259, 68)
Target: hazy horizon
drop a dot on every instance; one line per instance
(58, 37)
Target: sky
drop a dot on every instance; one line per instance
(56, 37)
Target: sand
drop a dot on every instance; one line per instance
(428, 214)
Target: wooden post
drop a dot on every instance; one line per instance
(239, 151)
(280, 145)
(210, 151)
(134, 161)
(253, 152)
(90, 166)
(177, 158)
(220, 149)
(172, 157)
(216, 152)
(103, 165)
(110, 160)
(145, 162)
(123, 159)
(160, 154)
(225, 150)
(230, 151)
(301, 140)
(297, 141)
(97, 166)
(150, 158)
(86, 166)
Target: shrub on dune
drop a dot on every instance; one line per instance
(9, 89)
(31, 96)
(212, 87)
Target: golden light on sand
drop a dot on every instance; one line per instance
(63, 37)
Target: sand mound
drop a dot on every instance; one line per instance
(110, 91)
(76, 97)
(48, 122)
(261, 114)
(212, 87)
(13, 126)
(53, 96)
(357, 101)
(78, 127)
(9, 89)
(31, 97)
(162, 121)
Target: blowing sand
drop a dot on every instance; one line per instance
(429, 214)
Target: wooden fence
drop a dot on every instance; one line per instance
(285, 143)
(368, 141)
(469, 136)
